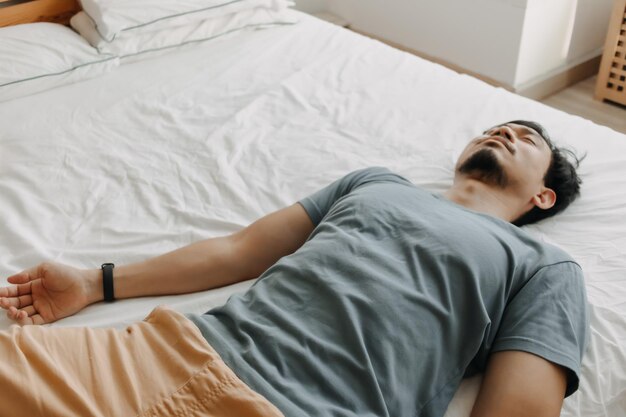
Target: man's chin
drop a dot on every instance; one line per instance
(483, 165)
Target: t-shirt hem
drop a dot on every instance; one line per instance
(546, 352)
(311, 209)
(216, 337)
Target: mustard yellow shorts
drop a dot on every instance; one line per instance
(161, 366)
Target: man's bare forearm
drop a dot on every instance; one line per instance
(213, 262)
(200, 266)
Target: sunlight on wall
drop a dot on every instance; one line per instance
(560, 34)
(569, 31)
(546, 37)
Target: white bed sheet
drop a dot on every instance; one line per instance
(203, 141)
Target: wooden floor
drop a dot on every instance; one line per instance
(578, 100)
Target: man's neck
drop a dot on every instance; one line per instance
(478, 196)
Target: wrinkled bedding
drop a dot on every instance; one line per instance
(202, 141)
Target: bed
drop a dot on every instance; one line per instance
(202, 140)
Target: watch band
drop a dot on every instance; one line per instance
(107, 281)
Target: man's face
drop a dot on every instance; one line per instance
(510, 156)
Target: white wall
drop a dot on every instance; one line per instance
(515, 42)
(559, 34)
(479, 35)
(311, 6)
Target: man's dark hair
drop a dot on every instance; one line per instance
(560, 177)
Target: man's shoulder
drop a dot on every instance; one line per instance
(551, 253)
(534, 252)
(557, 258)
(553, 262)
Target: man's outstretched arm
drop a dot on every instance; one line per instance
(216, 262)
(49, 292)
(520, 384)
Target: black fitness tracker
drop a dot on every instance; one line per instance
(107, 281)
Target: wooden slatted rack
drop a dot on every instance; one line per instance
(611, 84)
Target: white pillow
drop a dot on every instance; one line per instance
(39, 56)
(130, 44)
(111, 17)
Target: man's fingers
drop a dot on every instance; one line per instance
(14, 313)
(29, 310)
(23, 314)
(21, 278)
(29, 317)
(6, 294)
(18, 302)
(21, 289)
(8, 291)
(16, 295)
(34, 319)
(26, 316)
(11, 295)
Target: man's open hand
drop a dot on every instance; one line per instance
(47, 292)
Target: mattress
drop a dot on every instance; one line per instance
(202, 141)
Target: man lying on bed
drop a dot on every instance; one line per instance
(375, 298)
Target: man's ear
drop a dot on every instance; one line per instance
(545, 199)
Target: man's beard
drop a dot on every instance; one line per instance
(484, 166)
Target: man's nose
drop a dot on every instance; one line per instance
(505, 132)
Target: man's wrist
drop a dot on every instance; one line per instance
(94, 287)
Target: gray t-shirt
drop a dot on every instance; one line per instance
(397, 295)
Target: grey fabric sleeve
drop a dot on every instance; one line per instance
(320, 202)
(549, 318)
